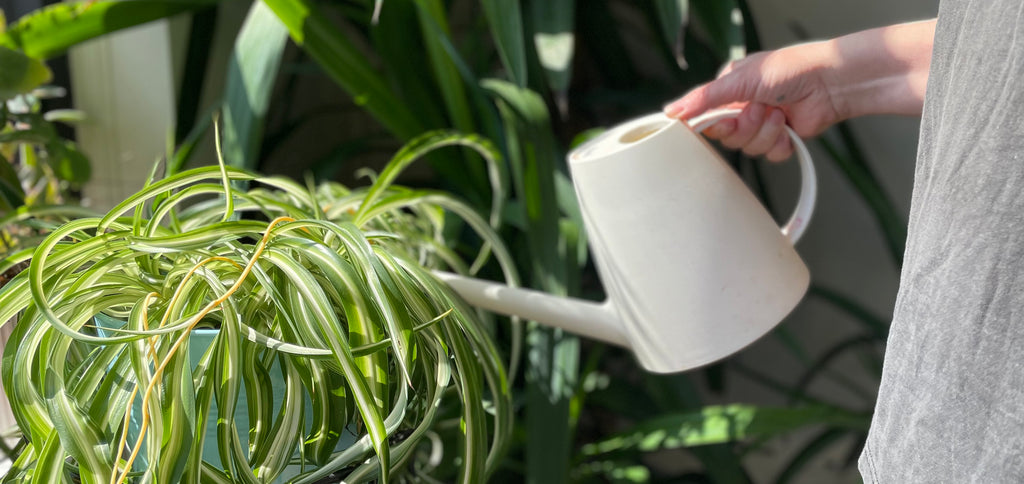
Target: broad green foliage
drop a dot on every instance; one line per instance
(552, 375)
(20, 73)
(252, 71)
(331, 287)
(673, 15)
(505, 18)
(50, 31)
(38, 168)
(724, 22)
(555, 41)
(310, 28)
(721, 424)
(11, 193)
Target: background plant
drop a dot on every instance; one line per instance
(504, 70)
(38, 167)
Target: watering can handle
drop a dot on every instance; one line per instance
(794, 228)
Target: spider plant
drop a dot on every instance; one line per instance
(329, 288)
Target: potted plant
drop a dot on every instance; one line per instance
(330, 289)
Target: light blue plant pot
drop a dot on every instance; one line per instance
(199, 342)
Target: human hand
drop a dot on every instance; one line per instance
(813, 86)
(786, 86)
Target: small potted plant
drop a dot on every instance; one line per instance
(328, 291)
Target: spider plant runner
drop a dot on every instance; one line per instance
(327, 290)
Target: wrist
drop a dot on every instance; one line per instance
(842, 89)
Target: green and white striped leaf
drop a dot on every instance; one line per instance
(348, 317)
(51, 30)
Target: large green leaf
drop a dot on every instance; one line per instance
(722, 424)
(392, 35)
(463, 100)
(534, 157)
(555, 41)
(554, 356)
(346, 64)
(252, 70)
(723, 22)
(11, 194)
(68, 163)
(673, 15)
(50, 31)
(434, 26)
(506, 21)
(20, 73)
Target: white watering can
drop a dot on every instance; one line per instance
(694, 266)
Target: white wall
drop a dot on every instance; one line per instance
(125, 84)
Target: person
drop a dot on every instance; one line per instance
(950, 406)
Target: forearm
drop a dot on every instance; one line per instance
(880, 71)
(815, 85)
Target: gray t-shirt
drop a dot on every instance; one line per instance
(951, 403)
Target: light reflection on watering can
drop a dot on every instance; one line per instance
(694, 266)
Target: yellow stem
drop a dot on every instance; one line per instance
(124, 434)
(206, 310)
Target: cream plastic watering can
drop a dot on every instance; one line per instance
(694, 266)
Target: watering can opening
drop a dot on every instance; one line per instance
(694, 266)
(644, 130)
(620, 137)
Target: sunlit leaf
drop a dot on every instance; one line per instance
(555, 41)
(51, 30)
(346, 64)
(252, 70)
(20, 73)
(721, 424)
(69, 116)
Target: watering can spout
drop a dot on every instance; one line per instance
(595, 320)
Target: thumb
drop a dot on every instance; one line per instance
(724, 90)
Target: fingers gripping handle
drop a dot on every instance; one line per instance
(794, 228)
